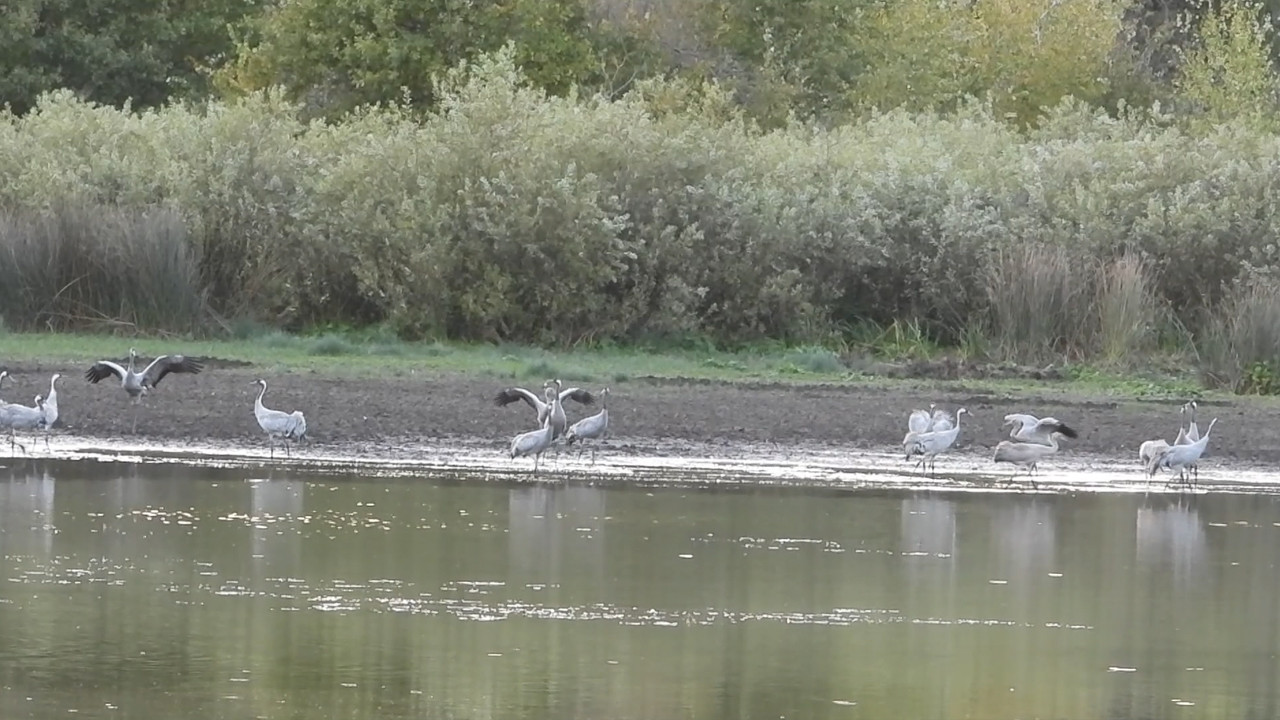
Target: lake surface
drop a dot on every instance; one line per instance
(166, 591)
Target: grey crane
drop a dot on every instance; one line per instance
(1028, 453)
(534, 442)
(929, 445)
(51, 407)
(3, 374)
(551, 389)
(15, 417)
(280, 426)
(137, 384)
(1148, 449)
(920, 422)
(1191, 435)
(1180, 457)
(593, 427)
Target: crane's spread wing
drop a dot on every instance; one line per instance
(103, 369)
(1052, 425)
(918, 421)
(1023, 420)
(166, 364)
(941, 422)
(577, 394)
(509, 395)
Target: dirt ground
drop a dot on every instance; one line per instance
(217, 404)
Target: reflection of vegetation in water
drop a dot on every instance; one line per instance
(128, 610)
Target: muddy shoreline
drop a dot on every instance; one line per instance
(665, 417)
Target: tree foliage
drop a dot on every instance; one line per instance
(340, 54)
(113, 51)
(1228, 73)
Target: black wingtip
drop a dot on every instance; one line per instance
(1068, 432)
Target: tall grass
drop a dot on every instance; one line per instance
(1127, 310)
(86, 266)
(1240, 349)
(1042, 302)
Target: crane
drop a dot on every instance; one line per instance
(51, 407)
(930, 444)
(1031, 429)
(279, 426)
(1179, 457)
(550, 388)
(591, 428)
(1025, 453)
(14, 417)
(535, 442)
(137, 384)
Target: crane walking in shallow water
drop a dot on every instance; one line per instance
(1180, 457)
(280, 426)
(1027, 454)
(929, 445)
(591, 428)
(534, 442)
(51, 407)
(137, 384)
(15, 417)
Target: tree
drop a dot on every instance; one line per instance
(1227, 73)
(340, 54)
(113, 51)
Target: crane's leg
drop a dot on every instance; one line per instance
(593, 451)
(271, 441)
(287, 452)
(136, 402)
(536, 458)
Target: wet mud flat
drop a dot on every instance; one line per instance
(838, 434)
(640, 462)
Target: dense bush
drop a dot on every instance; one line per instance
(510, 215)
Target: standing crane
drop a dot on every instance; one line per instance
(51, 407)
(15, 417)
(534, 442)
(137, 384)
(1027, 453)
(280, 426)
(1179, 457)
(929, 445)
(591, 428)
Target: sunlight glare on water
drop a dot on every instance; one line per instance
(162, 591)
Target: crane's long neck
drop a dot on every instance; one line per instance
(257, 404)
(1203, 441)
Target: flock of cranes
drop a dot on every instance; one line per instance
(280, 427)
(933, 432)
(286, 428)
(553, 424)
(930, 433)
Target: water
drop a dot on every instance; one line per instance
(163, 591)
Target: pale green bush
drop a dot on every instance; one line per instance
(509, 215)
